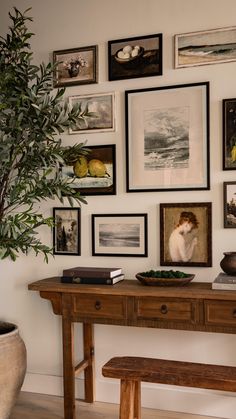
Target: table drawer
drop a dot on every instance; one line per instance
(167, 309)
(220, 312)
(100, 306)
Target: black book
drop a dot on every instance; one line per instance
(92, 272)
(94, 281)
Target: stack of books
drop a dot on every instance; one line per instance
(224, 282)
(92, 275)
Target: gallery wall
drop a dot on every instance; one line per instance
(60, 25)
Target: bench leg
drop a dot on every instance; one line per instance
(130, 404)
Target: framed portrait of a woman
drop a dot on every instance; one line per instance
(185, 234)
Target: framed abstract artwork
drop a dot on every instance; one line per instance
(186, 234)
(167, 138)
(119, 235)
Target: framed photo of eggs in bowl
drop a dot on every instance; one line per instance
(140, 56)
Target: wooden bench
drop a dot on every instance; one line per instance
(132, 370)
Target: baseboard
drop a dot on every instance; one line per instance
(179, 399)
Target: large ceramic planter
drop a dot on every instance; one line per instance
(12, 367)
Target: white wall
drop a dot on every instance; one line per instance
(60, 25)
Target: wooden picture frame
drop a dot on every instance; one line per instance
(67, 231)
(229, 191)
(205, 47)
(229, 134)
(119, 235)
(140, 56)
(167, 138)
(76, 66)
(102, 105)
(98, 179)
(186, 234)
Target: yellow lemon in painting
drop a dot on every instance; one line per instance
(81, 167)
(97, 168)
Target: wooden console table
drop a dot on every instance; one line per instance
(193, 307)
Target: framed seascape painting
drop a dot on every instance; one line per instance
(229, 134)
(167, 138)
(205, 47)
(67, 231)
(101, 113)
(95, 173)
(76, 66)
(229, 204)
(140, 56)
(119, 235)
(186, 234)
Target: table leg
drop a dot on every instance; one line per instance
(68, 368)
(88, 333)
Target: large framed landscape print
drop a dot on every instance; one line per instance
(167, 138)
(205, 47)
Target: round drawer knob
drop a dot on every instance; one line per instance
(164, 309)
(98, 305)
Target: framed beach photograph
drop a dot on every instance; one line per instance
(76, 66)
(167, 138)
(119, 235)
(95, 173)
(205, 47)
(186, 234)
(229, 204)
(101, 113)
(140, 56)
(229, 134)
(66, 231)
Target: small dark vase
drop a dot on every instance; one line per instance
(228, 263)
(73, 71)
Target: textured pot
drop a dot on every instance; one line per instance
(228, 263)
(12, 367)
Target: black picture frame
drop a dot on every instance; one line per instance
(67, 231)
(93, 185)
(229, 193)
(145, 62)
(76, 66)
(120, 235)
(229, 133)
(167, 138)
(186, 234)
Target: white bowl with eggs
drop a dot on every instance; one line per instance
(129, 53)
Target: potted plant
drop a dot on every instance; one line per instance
(32, 115)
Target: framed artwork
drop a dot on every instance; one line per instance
(135, 57)
(229, 204)
(167, 138)
(229, 134)
(186, 234)
(94, 174)
(205, 47)
(101, 109)
(66, 231)
(119, 235)
(76, 66)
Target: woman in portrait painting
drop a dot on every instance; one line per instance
(181, 250)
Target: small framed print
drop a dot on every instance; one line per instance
(229, 204)
(167, 138)
(101, 113)
(95, 173)
(66, 231)
(140, 56)
(119, 235)
(229, 134)
(76, 66)
(205, 47)
(186, 234)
